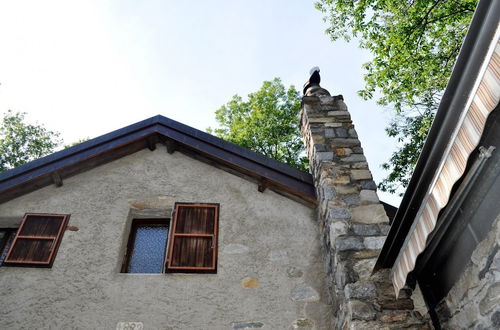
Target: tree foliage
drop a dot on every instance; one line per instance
(267, 123)
(21, 142)
(414, 44)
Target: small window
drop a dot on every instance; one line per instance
(193, 246)
(37, 240)
(146, 246)
(191, 239)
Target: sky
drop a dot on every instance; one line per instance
(86, 68)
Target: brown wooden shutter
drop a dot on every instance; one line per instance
(37, 240)
(193, 240)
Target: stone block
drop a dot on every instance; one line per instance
(334, 125)
(304, 292)
(365, 230)
(365, 254)
(368, 184)
(321, 119)
(491, 299)
(336, 101)
(361, 175)
(397, 317)
(337, 228)
(358, 150)
(328, 155)
(294, 272)
(311, 100)
(360, 165)
(341, 179)
(384, 229)
(354, 158)
(368, 197)
(341, 132)
(374, 242)
(364, 267)
(329, 193)
(343, 151)
(360, 290)
(318, 147)
(329, 133)
(352, 133)
(399, 304)
(359, 310)
(374, 213)
(351, 200)
(341, 142)
(339, 213)
(247, 325)
(339, 113)
(495, 320)
(318, 138)
(348, 243)
(366, 325)
(250, 283)
(346, 189)
(303, 324)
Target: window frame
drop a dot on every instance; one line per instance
(55, 239)
(4, 242)
(137, 222)
(172, 235)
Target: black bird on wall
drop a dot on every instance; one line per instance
(313, 82)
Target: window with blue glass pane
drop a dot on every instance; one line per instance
(146, 248)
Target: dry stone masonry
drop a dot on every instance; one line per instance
(473, 301)
(353, 224)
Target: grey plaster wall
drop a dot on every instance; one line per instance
(474, 301)
(270, 272)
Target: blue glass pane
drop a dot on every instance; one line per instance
(149, 249)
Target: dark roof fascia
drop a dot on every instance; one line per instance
(467, 67)
(239, 158)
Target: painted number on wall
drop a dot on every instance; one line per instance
(129, 326)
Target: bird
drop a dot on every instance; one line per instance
(314, 79)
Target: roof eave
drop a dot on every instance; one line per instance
(267, 172)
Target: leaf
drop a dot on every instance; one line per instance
(414, 44)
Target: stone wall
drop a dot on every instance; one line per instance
(353, 224)
(474, 301)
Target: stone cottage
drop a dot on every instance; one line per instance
(160, 226)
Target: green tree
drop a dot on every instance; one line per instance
(267, 123)
(414, 44)
(72, 144)
(21, 142)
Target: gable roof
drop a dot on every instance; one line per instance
(52, 169)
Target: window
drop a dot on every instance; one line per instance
(191, 239)
(37, 240)
(146, 246)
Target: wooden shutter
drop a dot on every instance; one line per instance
(193, 240)
(37, 240)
